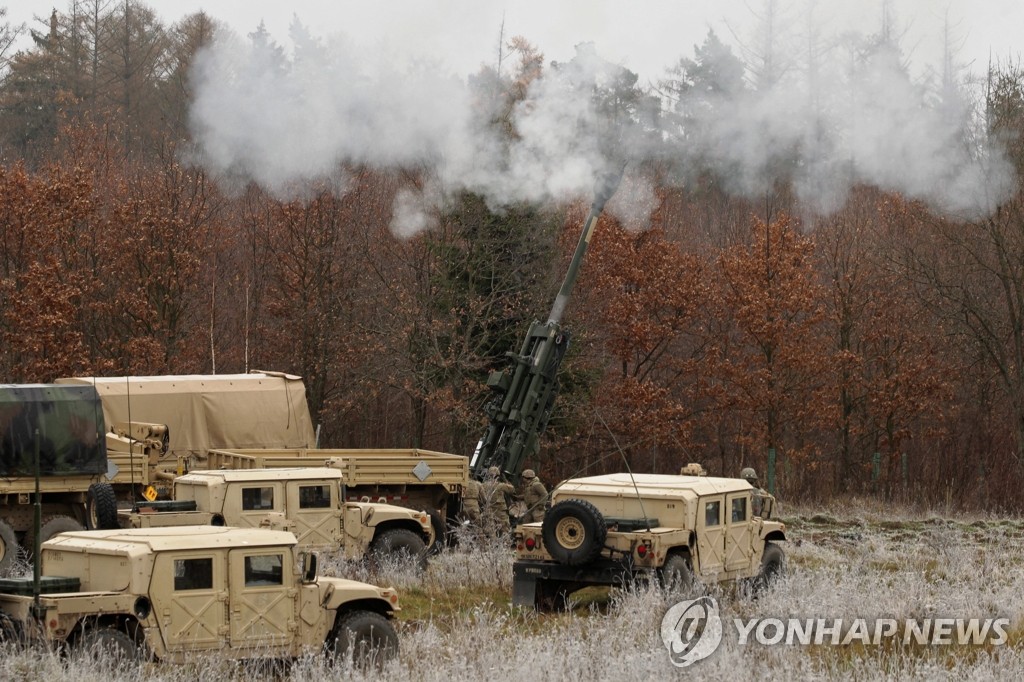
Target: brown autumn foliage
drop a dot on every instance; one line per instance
(876, 350)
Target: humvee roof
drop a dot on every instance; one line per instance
(651, 485)
(247, 475)
(141, 540)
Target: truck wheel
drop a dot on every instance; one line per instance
(772, 567)
(8, 545)
(367, 637)
(109, 644)
(101, 507)
(399, 546)
(574, 532)
(52, 526)
(676, 574)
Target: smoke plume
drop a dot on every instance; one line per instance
(285, 120)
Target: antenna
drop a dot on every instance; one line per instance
(629, 471)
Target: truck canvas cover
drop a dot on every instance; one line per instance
(70, 424)
(204, 412)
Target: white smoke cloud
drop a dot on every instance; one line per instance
(285, 120)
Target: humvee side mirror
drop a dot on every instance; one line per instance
(307, 565)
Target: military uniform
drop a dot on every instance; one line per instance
(495, 496)
(534, 496)
(471, 501)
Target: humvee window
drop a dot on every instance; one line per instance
(712, 513)
(257, 498)
(263, 569)
(739, 509)
(193, 574)
(314, 496)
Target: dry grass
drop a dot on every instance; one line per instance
(856, 561)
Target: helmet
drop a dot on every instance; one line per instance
(748, 474)
(493, 472)
(529, 474)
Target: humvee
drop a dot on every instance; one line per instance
(612, 529)
(306, 500)
(167, 593)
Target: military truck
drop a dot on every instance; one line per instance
(617, 528)
(310, 501)
(168, 593)
(56, 432)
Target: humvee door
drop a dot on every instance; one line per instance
(262, 598)
(314, 508)
(188, 593)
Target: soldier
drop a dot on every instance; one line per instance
(496, 493)
(471, 501)
(534, 496)
(757, 505)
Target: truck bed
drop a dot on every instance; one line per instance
(410, 466)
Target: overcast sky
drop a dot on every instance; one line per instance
(644, 35)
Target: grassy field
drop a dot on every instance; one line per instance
(855, 562)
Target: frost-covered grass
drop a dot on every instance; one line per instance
(848, 562)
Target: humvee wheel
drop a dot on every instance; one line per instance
(367, 637)
(101, 507)
(676, 574)
(8, 545)
(109, 644)
(772, 567)
(574, 532)
(401, 546)
(52, 526)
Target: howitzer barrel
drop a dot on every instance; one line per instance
(525, 392)
(604, 190)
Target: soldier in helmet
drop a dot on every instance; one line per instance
(758, 505)
(496, 494)
(534, 496)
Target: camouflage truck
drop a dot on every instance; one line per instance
(413, 478)
(57, 431)
(169, 593)
(310, 501)
(613, 529)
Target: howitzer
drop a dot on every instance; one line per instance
(524, 392)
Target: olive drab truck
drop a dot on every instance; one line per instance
(58, 432)
(169, 593)
(613, 529)
(309, 501)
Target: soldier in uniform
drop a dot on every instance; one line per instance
(758, 504)
(534, 496)
(471, 501)
(496, 494)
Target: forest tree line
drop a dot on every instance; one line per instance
(875, 349)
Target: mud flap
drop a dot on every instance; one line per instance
(524, 585)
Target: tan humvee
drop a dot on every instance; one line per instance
(607, 530)
(306, 500)
(171, 592)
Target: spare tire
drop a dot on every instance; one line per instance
(101, 507)
(574, 532)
